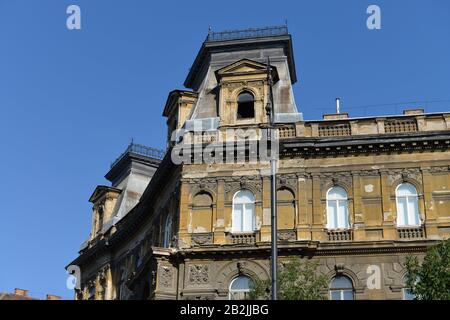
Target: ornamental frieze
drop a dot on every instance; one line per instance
(288, 180)
(439, 170)
(165, 277)
(248, 182)
(197, 185)
(287, 235)
(202, 239)
(330, 178)
(403, 175)
(198, 274)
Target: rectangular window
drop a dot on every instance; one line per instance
(332, 215)
(413, 209)
(237, 217)
(402, 211)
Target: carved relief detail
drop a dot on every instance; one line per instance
(404, 174)
(165, 276)
(198, 274)
(200, 239)
(233, 184)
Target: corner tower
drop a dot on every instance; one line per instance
(233, 62)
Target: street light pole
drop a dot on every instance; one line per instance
(273, 182)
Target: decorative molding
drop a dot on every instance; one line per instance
(198, 274)
(201, 239)
(165, 276)
(287, 235)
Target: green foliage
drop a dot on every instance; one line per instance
(297, 280)
(431, 279)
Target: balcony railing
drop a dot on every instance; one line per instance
(141, 150)
(247, 33)
(243, 238)
(340, 235)
(411, 233)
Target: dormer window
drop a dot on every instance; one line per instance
(246, 106)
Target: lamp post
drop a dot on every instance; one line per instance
(273, 182)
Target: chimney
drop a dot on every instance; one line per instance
(338, 115)
(409, 112)
(53, 297)
(21, 292)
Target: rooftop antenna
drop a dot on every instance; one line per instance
(338, 105)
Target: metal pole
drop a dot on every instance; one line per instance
(273, 183)
(273, 194)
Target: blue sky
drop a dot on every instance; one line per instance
(70, 101)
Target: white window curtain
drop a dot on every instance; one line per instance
(337, 209)
(243, 219)
(407, 205)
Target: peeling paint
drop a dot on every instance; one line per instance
(220, 222)
(387, 215)
(199, 229)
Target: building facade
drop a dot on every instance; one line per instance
(355, 194)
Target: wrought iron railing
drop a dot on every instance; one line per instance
(141, 150)
(247, 33)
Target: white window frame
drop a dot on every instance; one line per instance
(342, 290)
(411, 214)
(245, 208)
(231, 291)
(343, 218)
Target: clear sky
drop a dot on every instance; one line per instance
(71, 100)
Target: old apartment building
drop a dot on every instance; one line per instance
(352, 192)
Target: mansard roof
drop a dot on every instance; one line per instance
(242, 40)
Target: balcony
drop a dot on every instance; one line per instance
(409, 233)
(339, 235)
(243, 238)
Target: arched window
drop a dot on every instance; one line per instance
(243, 219)
(246, 106)
(201, 219)
(167, 235)
(240, 288)
(286, 209)
(407, 205)
(341, 288)
(337, 209)
(407, 293)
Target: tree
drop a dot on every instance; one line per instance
(431, 279)
(297, 280)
